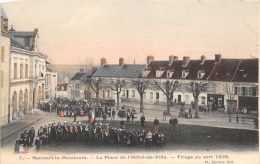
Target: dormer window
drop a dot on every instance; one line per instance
(169, 73)
(160, 71)
(146, 71)
(200, 74)
(185, 73)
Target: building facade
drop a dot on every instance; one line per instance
(27, 68)
(51, 79)
(229, 81)
(4, 67)
(113, 73)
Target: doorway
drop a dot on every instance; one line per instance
(127, 93)
(157, 97)
(179, 99)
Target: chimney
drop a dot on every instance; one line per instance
(202, 59)
(103, 62)
(12, 28)
(81, 70)
(171, 59)
(186, 60)
(121, 62)
(218, 57)
(148, 59)
(175, 58)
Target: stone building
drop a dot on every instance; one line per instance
(4, 73)
(228, 80)
(124, 73)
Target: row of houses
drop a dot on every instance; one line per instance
(26, 78)
(228, 80)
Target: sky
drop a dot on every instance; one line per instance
(73, 32)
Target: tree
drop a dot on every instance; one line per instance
(141, 86)
(96, 86)
(168, 90)
(196, 88)
(116, 85)
(229, 88)
(88, 63)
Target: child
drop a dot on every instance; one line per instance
(37, 143)
(16, 147)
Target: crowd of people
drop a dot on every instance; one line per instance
(100, 132)
(78, 132)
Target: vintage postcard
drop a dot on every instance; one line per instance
(129, 81)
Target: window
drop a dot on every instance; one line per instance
(21, 70)
(243, 91)
(26, 70)
(199, 75)
(183, 75)
(202, 100)
(2, 78)
(235, 92)
(123, 93)
(108, 94)
(15, 70)
(133, 93)
(253, 91)
(151, 95)
(2, 54)
(168, 74)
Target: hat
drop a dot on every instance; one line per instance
(33, 126)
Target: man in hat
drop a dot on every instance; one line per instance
(32, 135)
(171, 123)
(156, 125)
(45, 132)
(53, 131)
(58, 132)
(40, 131)
(100, 132)
(113, 114)
(65, 131)
(81, 131)
(175, 123)
(164, 115)
(142, 120)
(75, 130)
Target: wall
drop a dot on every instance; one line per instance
(4, 92)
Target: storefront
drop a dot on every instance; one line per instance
(215, 101)
(248, 103)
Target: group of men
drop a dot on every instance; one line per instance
(98, 133)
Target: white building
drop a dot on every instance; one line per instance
(4, 73)
(27, 71)
(51, 79)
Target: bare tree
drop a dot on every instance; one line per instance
(88, 63)
(141, 86)
(96, 86)
(116, 85)
(228, 86)
(196, 88)
(168, 89)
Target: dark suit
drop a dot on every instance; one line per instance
(31, 136)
